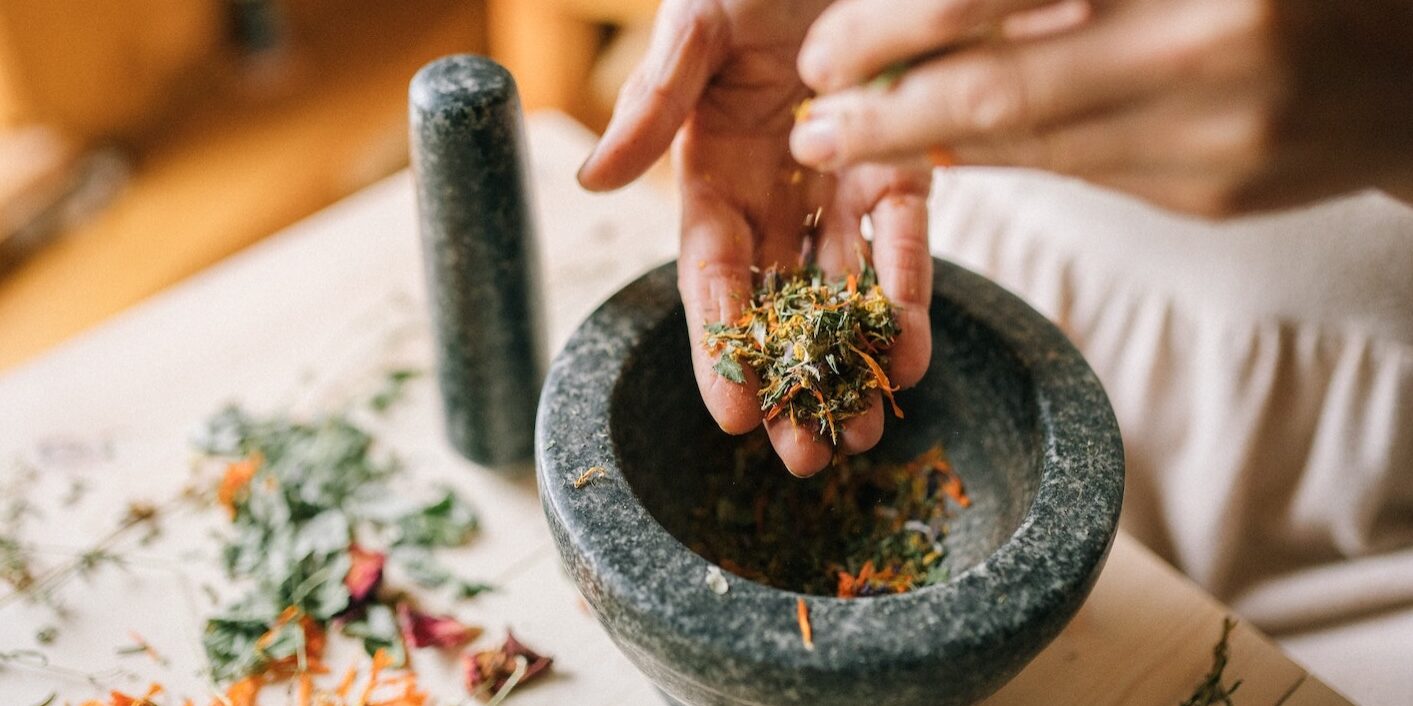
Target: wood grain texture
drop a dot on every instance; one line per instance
(1145, 637)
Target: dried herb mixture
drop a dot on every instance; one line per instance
(817, 346)
(860, 528)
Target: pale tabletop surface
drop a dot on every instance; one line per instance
(311, 319)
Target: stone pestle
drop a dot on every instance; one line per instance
(474, 212)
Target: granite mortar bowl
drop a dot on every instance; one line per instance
(1023, 418)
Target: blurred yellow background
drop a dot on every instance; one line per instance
(143, 140)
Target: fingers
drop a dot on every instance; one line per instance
(687, 46)
(1047, 19)
(997, 88)
(855, 40)
(803, 452)
(904, 265)
(863, 432)
(1207, 133)
(714, 278)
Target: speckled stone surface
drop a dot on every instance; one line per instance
(1023, 418)
(468, 152)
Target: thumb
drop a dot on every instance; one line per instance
(687, 47)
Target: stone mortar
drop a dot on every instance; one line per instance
(1024, 420)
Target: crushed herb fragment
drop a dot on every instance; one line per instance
(589, 475)
(393, 390)
(140, 646)
(492, 674)
(817, 347)
(802, 614)
(863, 527)
(1211, 690)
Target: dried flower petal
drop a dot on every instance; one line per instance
(802, 614)
(488, 671)
(236, 478)
(422, 630)
(364, 574)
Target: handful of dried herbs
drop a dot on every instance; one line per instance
(864, 528)
(817, 346)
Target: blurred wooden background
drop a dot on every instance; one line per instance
(143, 140)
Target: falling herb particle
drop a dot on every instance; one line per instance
(716, 581)
(589, 475)
(46, 635)
(1211, 690)
(802, 615)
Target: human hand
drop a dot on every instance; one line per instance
(1213, 107)
(724, 72)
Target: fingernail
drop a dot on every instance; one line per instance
(812, 63)
(816, 141)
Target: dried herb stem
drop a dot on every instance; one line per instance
(1211, 690)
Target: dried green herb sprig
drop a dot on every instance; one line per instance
(1211, 690)
(817, 346)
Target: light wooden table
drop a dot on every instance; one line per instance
(310, 319)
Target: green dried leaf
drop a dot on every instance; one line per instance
(471, 589)
(448, 522)
(423, 568)
(393, 389)
(230, 643)
(727, 367)
(378, 629)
